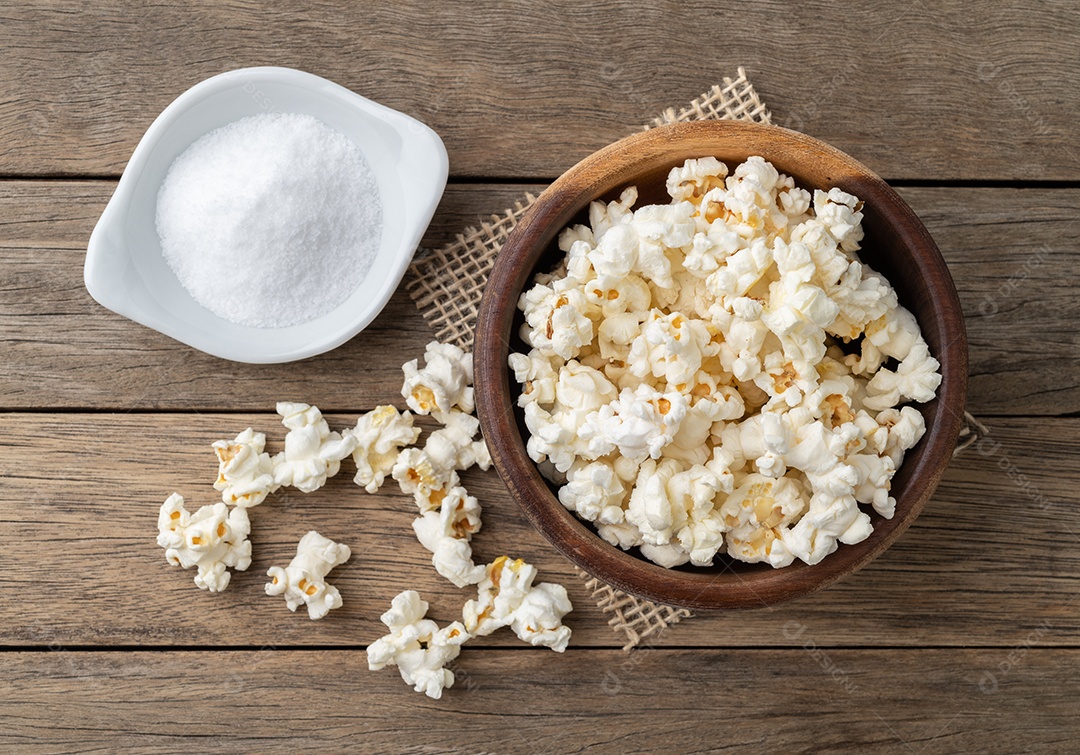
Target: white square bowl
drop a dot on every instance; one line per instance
(126, 272)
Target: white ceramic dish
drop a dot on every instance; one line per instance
(125, 270)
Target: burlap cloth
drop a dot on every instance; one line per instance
(447, 284)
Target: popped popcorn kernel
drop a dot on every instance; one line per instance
(212, 539)
(303, 581)
(417, 646)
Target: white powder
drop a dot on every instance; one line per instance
(270, 221)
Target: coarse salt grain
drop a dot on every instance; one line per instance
(270, 221)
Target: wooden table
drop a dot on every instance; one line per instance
(964, 636)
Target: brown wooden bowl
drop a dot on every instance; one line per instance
(896, 244)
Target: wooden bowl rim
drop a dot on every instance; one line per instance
(576, 539)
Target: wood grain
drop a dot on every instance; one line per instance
(1010, 252)
(923, 701)
(931, 90)
(995, 554)
(962, 637)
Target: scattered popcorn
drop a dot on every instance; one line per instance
(380, 434)
(507, 597)
(456, 447)
(303, 581)
(685, 385)
(212, 539)
(417, 646)
(245, 471)
(444, 382)
(446, 532)
(418, 477)
(312, 453)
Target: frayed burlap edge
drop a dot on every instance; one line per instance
(635, 619)
(447, 284)
(970, 434)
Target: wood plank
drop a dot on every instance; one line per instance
(995, 555)
(1009, 250)
(932, 90)
(926, 701)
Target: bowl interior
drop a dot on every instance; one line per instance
(896, 245)
(125, 267)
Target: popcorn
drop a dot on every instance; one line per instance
(862, 296)
(917, 378)
(741, 272)
(245, 471)
(444, 382)
(695, 178)
(536, 375)
(303, 581)
(749, 203)
(682, 520)
(616, 334)
(786, 381)
(640, 423)
(672, 347)
(840, 213)
(893, 335)
(538, 618)
(828, 520)
(818, 453)
(615, 255)
(621, 533)
(557, 321)
(454, 447)
(312, 453)
(581, 390)
(686, 388)
(446, 532)
(551, 437)
(592, 488)
(507, 597)
(658, 228)
(417, 646)
(875, 477)
(630, 293)
(418, 477)
(603, 217)
(757, 516)
(798, 311)
(380, 434)
(905, 427)
(656, 516)
(212, 539)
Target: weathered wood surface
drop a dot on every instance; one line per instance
(996, 553)
(1020, 699)
(962, 637)
(938, 90)
(1010, 251)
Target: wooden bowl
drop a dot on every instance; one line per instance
(896, 244)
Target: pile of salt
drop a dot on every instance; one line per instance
(270, 221)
